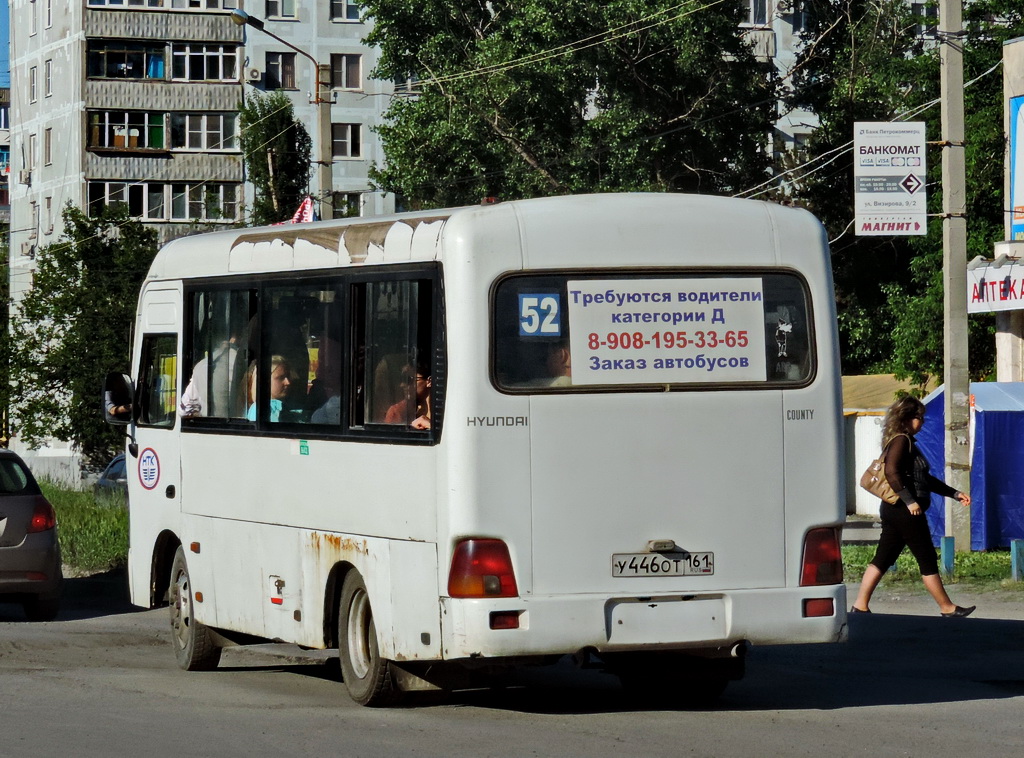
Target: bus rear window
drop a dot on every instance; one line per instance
(573, 332)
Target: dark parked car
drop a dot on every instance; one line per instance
(29, 552)
(114, 479)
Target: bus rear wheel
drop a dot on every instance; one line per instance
(194, 646)
(367, 676)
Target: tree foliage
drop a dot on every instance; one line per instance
(276, 149)
(542, 97)
(868, 62)
(73, 326)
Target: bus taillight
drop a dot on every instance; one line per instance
(482, 568)
(823, 560)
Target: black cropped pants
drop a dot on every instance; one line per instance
(900, 529)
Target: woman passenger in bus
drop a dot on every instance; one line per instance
(557, 369)
(279, 383)
(903, 522)
(414, 408)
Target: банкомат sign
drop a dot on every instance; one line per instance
(889, 178)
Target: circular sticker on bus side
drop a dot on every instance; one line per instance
(149, 468)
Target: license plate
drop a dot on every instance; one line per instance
(663, 564)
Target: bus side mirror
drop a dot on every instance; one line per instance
(119, 407)
(118, 399)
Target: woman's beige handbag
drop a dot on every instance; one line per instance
(873, 479)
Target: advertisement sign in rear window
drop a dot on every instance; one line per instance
(570, 332)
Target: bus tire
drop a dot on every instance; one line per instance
(367, 676)
(194, 646)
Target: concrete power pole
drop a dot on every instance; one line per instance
(954, 257)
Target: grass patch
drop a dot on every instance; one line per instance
(93, 532)
(988, 567)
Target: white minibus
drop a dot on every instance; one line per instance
(451, 442)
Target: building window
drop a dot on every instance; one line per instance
(926, 16)
(280, 8)
(280, 71)
(204, 63)
(33, 18)
(348, 204)
(204, 202)
(175, 4)
(346, 71)
(5, 117)
(30, 159)
(148, 201)
(126, 130)
(345, 10)
(48, 210)
(407, 85)
(48, 147)
(48, 12)
(204, 131)
(120, 59)
(32, 83)
(48, 78)
(345, 141)
(754, 13)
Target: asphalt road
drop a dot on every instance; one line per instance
(101, 681)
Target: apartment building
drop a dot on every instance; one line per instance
(776, 29)
(136, 101)
(328, 32)
(5, 121)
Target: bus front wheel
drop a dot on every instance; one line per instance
(367, 676)
(193, 644)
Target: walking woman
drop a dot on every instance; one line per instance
(903, 522)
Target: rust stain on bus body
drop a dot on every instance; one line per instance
(334, 547)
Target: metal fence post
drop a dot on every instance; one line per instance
(948, 553)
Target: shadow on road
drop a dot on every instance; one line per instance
(890, 660)
(84, 597)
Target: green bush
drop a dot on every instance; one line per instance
(93, 532)
(967, 567)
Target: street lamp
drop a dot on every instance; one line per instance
(324, 156)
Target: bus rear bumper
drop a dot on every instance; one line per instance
(704, 622)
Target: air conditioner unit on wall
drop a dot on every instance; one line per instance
(253, 74)
(25, 176)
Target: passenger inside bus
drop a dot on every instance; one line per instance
(324, 398)
(557, 369)
(280, 381)
(218, 373)
(414, 409)
(559, 364)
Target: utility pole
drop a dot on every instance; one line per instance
(321, 97)
(954, 265)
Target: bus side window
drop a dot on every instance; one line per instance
(157, 395)
(303, 337)
(394, 383)
(222, 339)
(787, 329)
